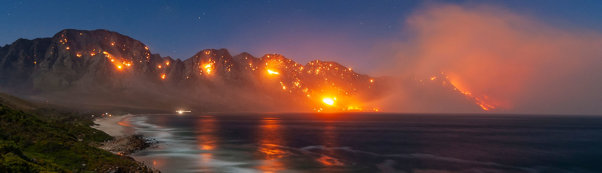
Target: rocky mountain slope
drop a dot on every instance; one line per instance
(101, 69)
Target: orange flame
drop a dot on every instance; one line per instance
(329, 101)
(271, 72)
(208, 67)
(480, 101)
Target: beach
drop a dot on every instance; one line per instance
(114, 125)
(125, 140)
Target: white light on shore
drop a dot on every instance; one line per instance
(183, 111)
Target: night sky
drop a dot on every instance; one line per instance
(346, 31)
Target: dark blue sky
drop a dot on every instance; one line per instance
(340, 30)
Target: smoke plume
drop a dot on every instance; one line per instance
(513, 61)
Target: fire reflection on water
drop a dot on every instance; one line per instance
(206, 139)
(329, 138)
(270, 142)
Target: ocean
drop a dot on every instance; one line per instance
(365, 142)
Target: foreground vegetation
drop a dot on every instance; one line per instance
(35, 139)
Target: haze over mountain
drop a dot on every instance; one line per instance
(101, 69)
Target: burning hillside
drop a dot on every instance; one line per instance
(103, 66)
(484, 102)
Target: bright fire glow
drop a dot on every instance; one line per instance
(354, 108)
(329, 101)
(485, 105)
(271, 72)
(208, 67)
(163, 76)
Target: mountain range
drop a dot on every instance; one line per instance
(103, 69)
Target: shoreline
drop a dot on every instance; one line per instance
(114, 125)
(125, 140)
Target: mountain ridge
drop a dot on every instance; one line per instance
(100, 66)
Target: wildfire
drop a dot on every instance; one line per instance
(119, 63)
(329, 101)
(479, 100)
(321, 86)
(354, 108)
(271, 72)
(208, 67)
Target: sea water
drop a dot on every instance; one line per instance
(358, 142)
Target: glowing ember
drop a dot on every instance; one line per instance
(329, 101)
(79, 55)
(354, 108)
(208, 67)
(271, 72)
(163, 76)
(159, 66)
(119, 67)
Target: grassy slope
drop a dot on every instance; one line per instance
(35, 139)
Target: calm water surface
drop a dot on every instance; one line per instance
(371, 143)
